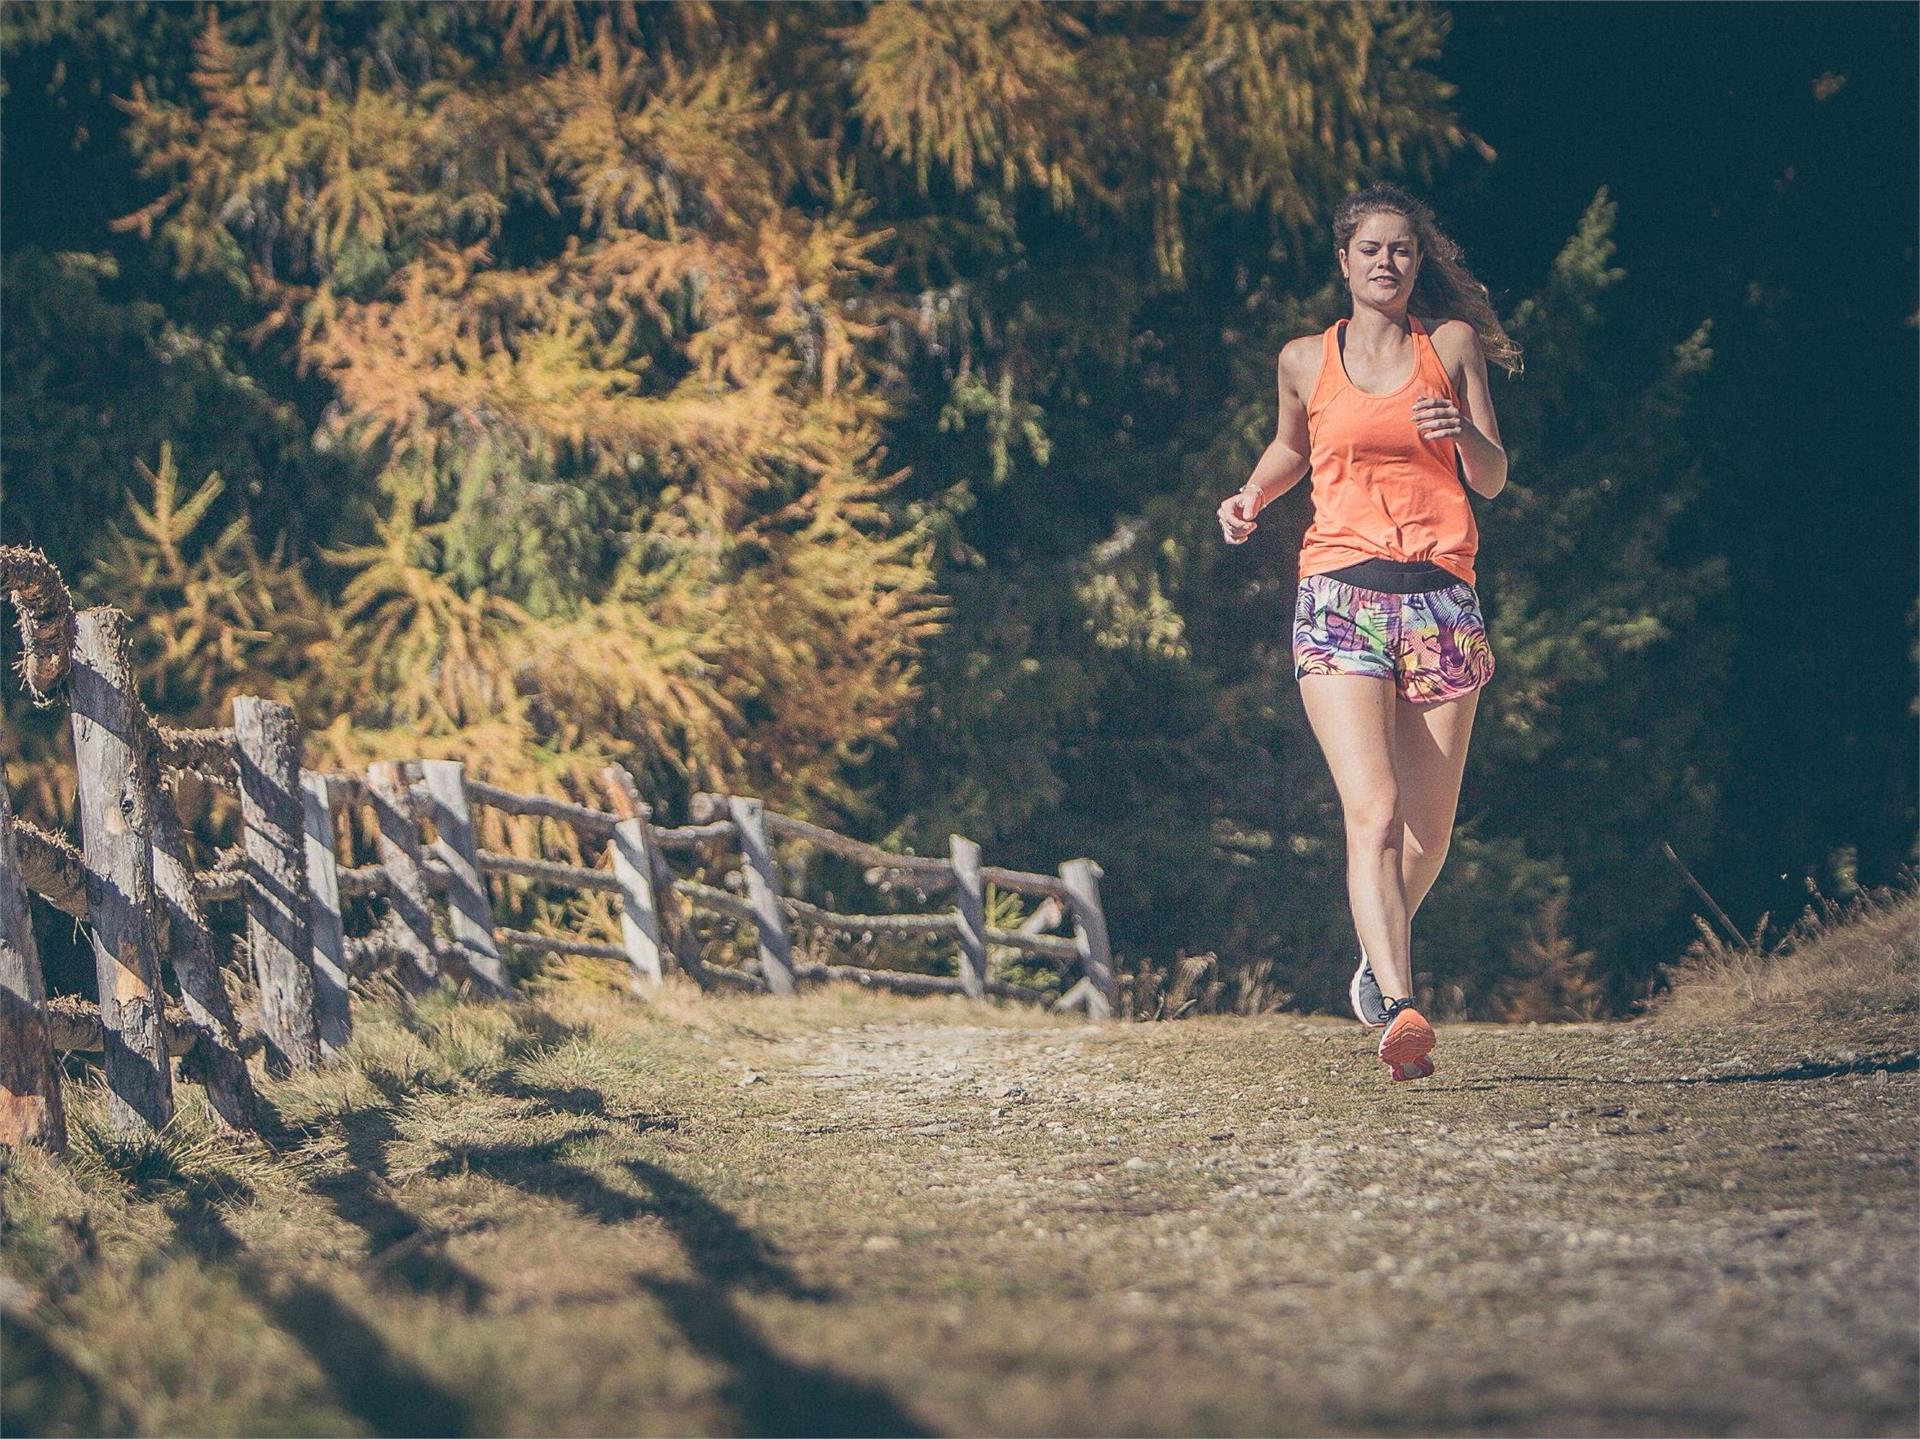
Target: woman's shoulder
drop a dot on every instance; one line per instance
(1300, 362)
(1454, 339)
(1303, 348)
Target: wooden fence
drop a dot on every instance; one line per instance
(134, 883)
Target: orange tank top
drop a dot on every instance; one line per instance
(1380, 489)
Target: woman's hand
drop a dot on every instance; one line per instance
(1236, 516)
(1436, 417)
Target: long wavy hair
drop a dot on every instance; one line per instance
(1446, 288)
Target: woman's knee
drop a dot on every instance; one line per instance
(1374, 827)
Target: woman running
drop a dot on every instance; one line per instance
(1389, 410)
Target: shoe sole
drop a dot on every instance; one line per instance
(1421, 1068)
(1353, 1000)
(1406, 1043)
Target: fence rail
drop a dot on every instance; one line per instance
(132, 880)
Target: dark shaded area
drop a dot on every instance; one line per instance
(48, 1391)
(574, 1099)
(724, 1251)
(402, 1250)
(1786, 1074)
(1765, 164)
(770, 1394)
(581, 1100)
(540, 1169)
(1529, 1416)
(389, 1394)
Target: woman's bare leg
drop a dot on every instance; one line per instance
(1429, 759)
(1353, 718)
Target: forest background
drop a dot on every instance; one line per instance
(830, 402)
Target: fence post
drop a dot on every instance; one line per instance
(215, 1060)
(332, 1010)
(639, 908)
(1081, 877)
(672, 918)
(399, 844)
(279, 935)
(763, 892)
(971, 904)
(115, 823)
(30, 1107)
(470, 912)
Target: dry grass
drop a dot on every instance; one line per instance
(1837, 962)
(860, 1213)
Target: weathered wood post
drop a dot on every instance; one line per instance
(470, 912)
(1081, 877)
(639, 909)
(332, 1008)
(399, 845)
(115, 824)
(763, 892)
(970, 903)
(672, 920)
(216, 1060)
(30, 1107)
(279, 935)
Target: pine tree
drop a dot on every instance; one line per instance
(1550, 979)
(1613, 635)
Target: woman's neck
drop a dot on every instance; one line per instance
(1376, 334)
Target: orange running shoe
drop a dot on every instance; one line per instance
(1405, 1045)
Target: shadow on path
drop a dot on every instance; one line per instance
(1789, 1074)
(538, 1168)
(387, 1392)
(402, 1248)
(722, 1250)
(769, 1393)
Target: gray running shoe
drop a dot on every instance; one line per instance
(1363, 993)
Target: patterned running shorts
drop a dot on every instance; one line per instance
(1433, 646)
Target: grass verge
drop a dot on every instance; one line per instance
(857, 1213)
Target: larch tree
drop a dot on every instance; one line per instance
(630, 478)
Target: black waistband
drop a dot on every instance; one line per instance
(1396, 577)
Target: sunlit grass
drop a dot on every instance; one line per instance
(589, 1212)
(1837, 961)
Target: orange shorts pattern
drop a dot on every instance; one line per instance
(1432, 646)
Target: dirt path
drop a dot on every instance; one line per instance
(854, 1213)
(1568, 1230)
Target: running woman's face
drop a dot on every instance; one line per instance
(1381, 260)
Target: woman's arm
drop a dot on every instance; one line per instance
(1476, 431)
(1284, 462)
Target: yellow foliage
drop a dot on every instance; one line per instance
(967, 85)
(604, 308)
(672, 379)
(423, 653)
(210, 618)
